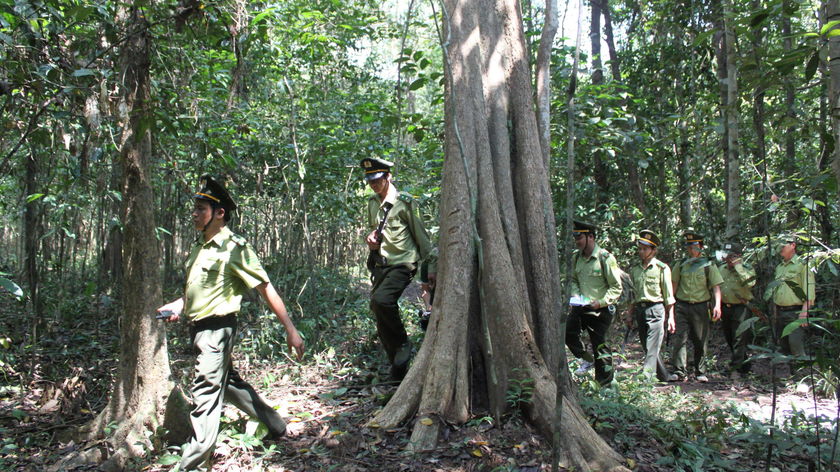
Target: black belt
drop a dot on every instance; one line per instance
(215, 322)
(647, 304)
(732, 305)
(789, 307)
(689, 303)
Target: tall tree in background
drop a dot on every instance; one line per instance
(498, 274)
(733, 149)
(139, 395)
(832, 10)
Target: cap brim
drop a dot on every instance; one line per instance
(375, 175)
(646, 243)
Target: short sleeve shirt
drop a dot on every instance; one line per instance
(653, 283)
(793, 272)
(690, 280)
(736, 283)
(220, 271)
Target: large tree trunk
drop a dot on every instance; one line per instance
(733, 158)
(141, 386)
(493, 155)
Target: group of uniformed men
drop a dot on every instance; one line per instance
(222, 266)
(684, 301)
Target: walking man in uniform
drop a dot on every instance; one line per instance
(596, 286)
(221, 268)
(735, 293)
(653, 304)
(397, 251)
(695, 280)
(792, 272)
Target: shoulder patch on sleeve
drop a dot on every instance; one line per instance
(661, 264)
(405, 197)
(238, 239)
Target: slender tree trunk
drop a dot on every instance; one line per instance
(598, 166)
(543, 73)
(820, 193)
(759, 115)
(32, 241)
(733, 158)
(832, 8)
(142, 383)
(489, 160)
(633, 178)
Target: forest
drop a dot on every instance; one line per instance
(505, 120)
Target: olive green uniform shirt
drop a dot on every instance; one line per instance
(653, 283)
(690, 280)
(794, 271)
(219, 272)
(736, 282)
(594, 282)
(404, 238)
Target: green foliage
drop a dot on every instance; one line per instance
(520, 390)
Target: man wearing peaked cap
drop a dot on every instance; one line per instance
(789, 307)
(396, 254)
(735, 292)
(596, 286)
(222, 266)
(695, 280)
(652, 304)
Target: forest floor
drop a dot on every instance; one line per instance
(330, 399)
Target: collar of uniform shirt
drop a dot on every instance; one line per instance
(224, 232)
(391, 197)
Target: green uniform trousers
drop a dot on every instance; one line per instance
(651, 322)
(692, 321)
(216, 378)
(388, 285)
(597, 327)
(731, 318)
(793, 343)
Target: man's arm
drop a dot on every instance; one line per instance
(716, 310)
(613, 283)
(175, 307)
(276, 304)
(671, 321)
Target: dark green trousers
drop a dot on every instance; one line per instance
(597, 324)
(793, 343)
(693, 321)
(216, 379)
(731, 318)
(388, 285)
(651, 323)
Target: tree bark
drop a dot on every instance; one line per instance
(733, 158)
(832, 8)
(142, 383)
(492, 153)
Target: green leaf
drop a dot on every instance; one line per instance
(262, 15)
(12, 287)
(83, 73)
(811, 68)
(791, 327)
(828, 26)
(702, 37)
(418, 83)
(169, 459)
(833, 33)
(34, 197)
